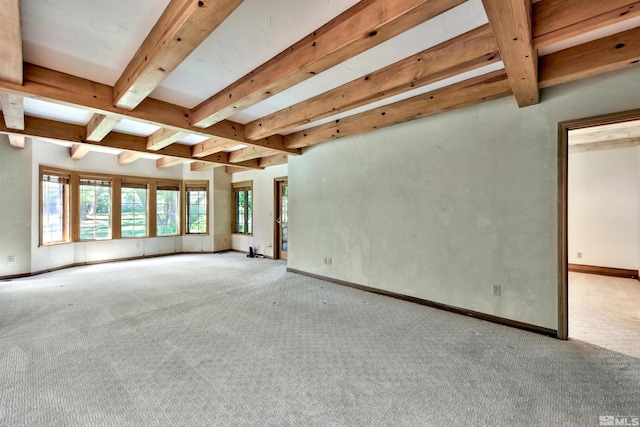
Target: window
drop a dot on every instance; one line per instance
(242, 194)
(95, 209)
(167, 209)
(54, 222)
(196, 195)
(133, 209)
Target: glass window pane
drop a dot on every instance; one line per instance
(134, 212)
(168, 213)
(95, 209)
(196, 211)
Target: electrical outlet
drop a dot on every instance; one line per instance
(10, 258)
(579, 255)
(497, 290)
(330, 260)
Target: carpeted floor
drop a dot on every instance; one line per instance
(207, 340)
(605, 311)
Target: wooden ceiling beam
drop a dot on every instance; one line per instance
(248, 153)
(275, 159)
(13, 110)
(51, 129)
(510, 21)
(199, 166)
(167, 162)
(596, 57)
(183, 26)
(461, 54)
(99, 125)
(11, 46)
(163, 138)
(17, 141)
(469, 92)
(52, 86)
(365, 25)
(11, 62)
(128, 157)
(605, 145)
(558, 20)
(211, 146)
(78, 151)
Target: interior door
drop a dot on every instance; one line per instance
(282, 195)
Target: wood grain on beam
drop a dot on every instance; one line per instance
(128, 157)
(13, 110)
(167, 162)
(248, 153)
(182, 27)
(558, 20)
(199, 166)
(17, 141)
(51, 129)
(11, 46)
(100, 125)
(510, 21)
(464, 53)
(276, 159)
(233, 169)
(596, 57)
(163, 138)
(211, 146)
(470, 92)
(367, 24)
(78, 151)
(52, 86)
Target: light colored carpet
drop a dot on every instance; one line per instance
(225, 340)
(605, 311)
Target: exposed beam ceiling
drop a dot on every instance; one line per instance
(365, 25)
(17, 141)
(181, 28)
(469, 92)
(167, 162)
(100, 125)
(510, 21)
(599, 56)
(50, 129)
(455, 50)
(128, 157)
(464, 53)
(558, 20)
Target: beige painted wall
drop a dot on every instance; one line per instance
(444, 207)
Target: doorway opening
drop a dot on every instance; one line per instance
(598, 239)
(281, 209)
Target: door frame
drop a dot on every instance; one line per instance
(276, 210)
(563, 226)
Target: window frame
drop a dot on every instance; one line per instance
(169, 186)
(73, 198)
(137, 183)
(66, 205)
(85, 177)
(195, 185)
(243, 187)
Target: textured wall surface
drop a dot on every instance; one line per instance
(445, 207)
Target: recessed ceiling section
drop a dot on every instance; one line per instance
(48, 110)
(453, 23)
(605, 133)
(135, 128)
(253, 34)
(81, 38)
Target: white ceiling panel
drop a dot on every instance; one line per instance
(48, 110)
(253, 34)
(93, 39)
(135, 128)
(455, 22)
